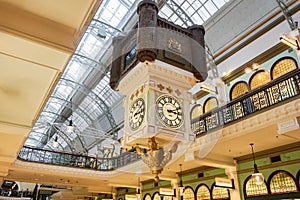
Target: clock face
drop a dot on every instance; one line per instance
(136, 114)
(169, 111)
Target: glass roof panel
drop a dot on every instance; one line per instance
(86, 77)
(192, 11)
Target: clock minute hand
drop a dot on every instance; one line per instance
(173, 111)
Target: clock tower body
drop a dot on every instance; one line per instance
(155, 66)
(164, 89)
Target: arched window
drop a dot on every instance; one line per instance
(210, 104)
(282, 182)
(260, 78)
(197, 110)
(253, 189)
(156, 196)
(202, 192)
(188, 194)
(219, 193)
(147, 197)
(238, 89)
(283, 66)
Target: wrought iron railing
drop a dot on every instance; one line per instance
(277, 91)
(76, 160)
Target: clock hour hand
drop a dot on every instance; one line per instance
(173, 111)
(138, 112)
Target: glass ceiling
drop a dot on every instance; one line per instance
(83, 94)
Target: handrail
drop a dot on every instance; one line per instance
(262, 98)
(46, 156)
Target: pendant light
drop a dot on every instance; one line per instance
(259, 178)
(70, 127)
(55, 142)
(181, 187)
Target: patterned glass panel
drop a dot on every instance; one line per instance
(281, 182)
(283, 67)
(147, 197)
(188, 194)
(238, 90)
(168, 198)
(253, 189)
(203, 193)
(197, 111)
(259, 79)
(220, 193)
(156, 196)
(210, 104)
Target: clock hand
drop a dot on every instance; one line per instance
(139, 112)
(173, 111)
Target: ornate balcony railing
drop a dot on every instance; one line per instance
(272, 94)
(76, 160)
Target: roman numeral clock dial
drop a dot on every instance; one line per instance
(169, 111)
(136, 114)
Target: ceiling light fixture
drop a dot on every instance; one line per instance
(55, 142)
(138, 192)
(292, 39)
(181, 187)
(259, 178)
(70, 127)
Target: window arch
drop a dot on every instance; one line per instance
(156, 196)
(259, 78)
(197, 110)
(188, 194)
(252, 189)
(219, 193)
(210, 104)
(202, 192)
(283, 66)
(147, 197)
(282, 182)
(238, 89)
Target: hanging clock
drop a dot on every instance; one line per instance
(136, 114)
(169, 111)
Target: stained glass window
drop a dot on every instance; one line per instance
(203, 193)
(282, 67)
(168, 198)
(282, 182)
(188, 194)
(210, 104)
(220, 193)
(259, 78)
(253, 189)
(147, 197)
(238, 89)
(156, 196)
(196, 111)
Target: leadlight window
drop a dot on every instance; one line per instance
(220, 193)
(188, 194)
(259, 78)
(196, 111)
(156, 196)
(147, 197)
(282, 182)
(203, 193)
(168, 198)
(282, 67)
(239, 89)
(210, 104)
(253, 189)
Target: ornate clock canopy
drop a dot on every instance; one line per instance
(155, 65)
